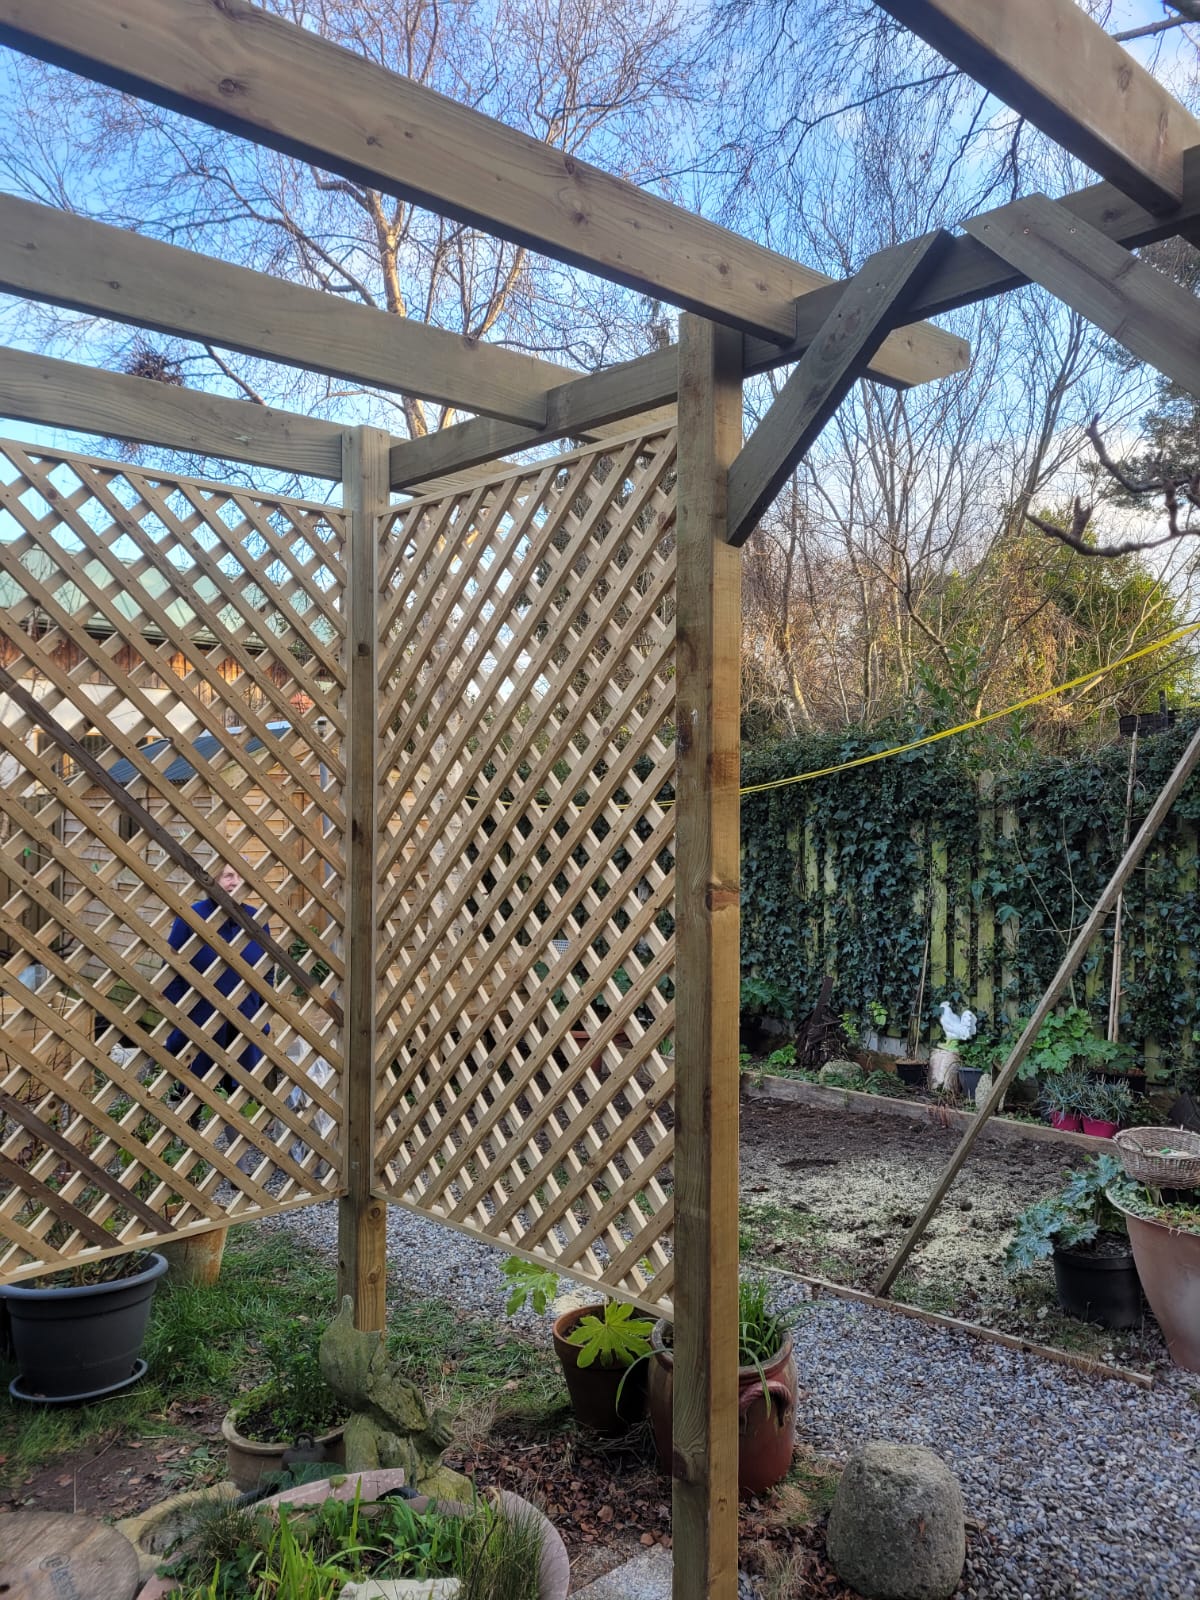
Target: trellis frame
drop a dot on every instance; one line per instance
(237, 68)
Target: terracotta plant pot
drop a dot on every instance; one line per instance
(1168, 1263)
(594, 1390)
(766, 1413)
(1100, 1129)
(250, 1460)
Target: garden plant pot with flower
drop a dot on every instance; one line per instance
(1084, 1237)
(292, 1416)
(77, 1335)
(602, 1349)
(766, 1392)
(1160, 1201)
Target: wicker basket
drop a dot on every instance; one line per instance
(1169, 1156)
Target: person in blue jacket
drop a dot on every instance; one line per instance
(223, 976)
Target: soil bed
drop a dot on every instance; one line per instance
(833, 1196)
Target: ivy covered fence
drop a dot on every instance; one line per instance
(988, 854)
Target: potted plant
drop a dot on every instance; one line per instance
(353, 1533)
(77, 1334)
(602, 1349)
(1161, 1207)
(976, 1059)
(1106, 1106)
(292, 1415)
(766, 1391)
(1084, 1235)
(1064, 1097)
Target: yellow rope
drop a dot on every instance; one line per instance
(979, 722)
(931, 738)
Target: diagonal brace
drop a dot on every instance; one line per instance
(1151, 315)
(869, 307)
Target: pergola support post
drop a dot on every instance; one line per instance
(362, 1215)
(708, 635)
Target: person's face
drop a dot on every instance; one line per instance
(230, 879)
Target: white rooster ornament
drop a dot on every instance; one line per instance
(957, 1028)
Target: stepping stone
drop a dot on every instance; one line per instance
(646, 1577)
(52, 1555)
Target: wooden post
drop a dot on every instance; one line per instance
(1155, 818)
(708, 635)
(362, 1216)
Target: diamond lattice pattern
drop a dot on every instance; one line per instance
(189, 636)
(526, 862)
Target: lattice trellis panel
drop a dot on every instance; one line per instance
(191, 636)
(526, 861)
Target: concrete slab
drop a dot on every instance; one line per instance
(646, 1577)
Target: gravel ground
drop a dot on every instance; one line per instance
(1086, 1489)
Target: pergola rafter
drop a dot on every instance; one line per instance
(239, 68)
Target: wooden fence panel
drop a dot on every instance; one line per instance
(190, 635)
(526, 862)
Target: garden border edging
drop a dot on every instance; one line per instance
(765, 1086)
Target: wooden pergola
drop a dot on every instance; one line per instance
(748, 310)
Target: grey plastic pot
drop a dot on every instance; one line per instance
(79, 1342)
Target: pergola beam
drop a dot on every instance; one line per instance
(1149, 313)
(873, 299)
(1048, 60)
(64, 394)
(52, 255)
(966, 273)
(590, 405)
(237, 67)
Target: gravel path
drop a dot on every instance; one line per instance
(1087, 1489)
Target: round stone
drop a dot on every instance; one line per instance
(897, 1529)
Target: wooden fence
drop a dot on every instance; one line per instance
(174, 695)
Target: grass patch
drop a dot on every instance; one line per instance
(761, 1222)
(205, 1345)
(924, 1293)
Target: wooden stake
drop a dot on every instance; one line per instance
(362, 1216)
(708, 628)
(1128, 865)
(1114, 989)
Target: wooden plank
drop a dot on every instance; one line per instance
(52, 255)
(238, 67)
(1152, 316)
(765, 1086)
(973, 1330)
(362, 1216)
(967, 272)
(1051, 62)
(708, 632)
(1054, 993)
(871, 303)
(65, 394)
(594, 405)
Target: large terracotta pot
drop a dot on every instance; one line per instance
(766, 1412)
(608, 1399)
(1168, 1263)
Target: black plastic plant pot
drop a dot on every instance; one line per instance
(1099, 1288)
(968, 1081)
(80, 1343)
(913, 1073)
